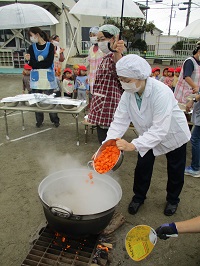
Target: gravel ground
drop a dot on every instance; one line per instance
(26, 161)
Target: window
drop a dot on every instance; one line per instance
(5, 36)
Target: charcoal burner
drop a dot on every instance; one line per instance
(58, 249)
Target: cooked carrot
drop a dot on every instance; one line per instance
(107, 159)
(90, 175)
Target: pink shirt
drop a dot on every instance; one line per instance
(94, 59)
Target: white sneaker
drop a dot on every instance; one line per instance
(191, 172)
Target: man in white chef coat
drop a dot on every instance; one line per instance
(162, 127)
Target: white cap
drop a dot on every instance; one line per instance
(133, 66)
(94, 30)
(112, 29)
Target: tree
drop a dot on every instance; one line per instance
(131, 27)
(140, 45)
(178, 46)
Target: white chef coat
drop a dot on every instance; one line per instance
(160, 123)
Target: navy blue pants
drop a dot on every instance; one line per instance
(176, 160)
(195, 140)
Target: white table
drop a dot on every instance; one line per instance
(57, 109)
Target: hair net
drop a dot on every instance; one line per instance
(94, 30)
(113, 30)
(133, 66)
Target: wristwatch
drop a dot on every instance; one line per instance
(194, 99)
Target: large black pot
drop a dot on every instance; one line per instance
(77, 205)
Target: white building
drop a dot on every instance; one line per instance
(74, 36)
(70, 28)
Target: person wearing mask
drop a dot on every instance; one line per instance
(189, 78)
(58, 55)
(40, 57)
(162, 127)
(165, 231)
(95, 56)
(107, 89)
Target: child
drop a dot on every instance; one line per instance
(75, 74)
(68, 82)
(26, 78)
(95, 56)
(170, 78)
(81, 83)
(155, 73)
(165, 71)
(176, 76)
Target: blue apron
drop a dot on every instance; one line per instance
(42, 79)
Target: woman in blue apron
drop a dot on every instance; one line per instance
(42, 78)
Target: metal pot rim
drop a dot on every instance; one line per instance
(105, 178)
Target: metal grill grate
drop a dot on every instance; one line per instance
(61, 250)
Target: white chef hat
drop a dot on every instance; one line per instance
(133, 66)
(94, 30)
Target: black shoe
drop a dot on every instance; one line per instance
(170, 209)
(56, 124)
(38, 125)
(134, 207)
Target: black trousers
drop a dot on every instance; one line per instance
(176, 160)
(40, 116)
(101, 133)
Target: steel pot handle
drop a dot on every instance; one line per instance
(90, 165)
(61, 211)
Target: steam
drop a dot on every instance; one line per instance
(53, 161)
(70, 186)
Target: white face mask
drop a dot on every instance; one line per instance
(130, 87)
(93, 39)
(55, 43)
(34, 39)
(103, 46)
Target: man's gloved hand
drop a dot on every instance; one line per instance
(167, 230)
